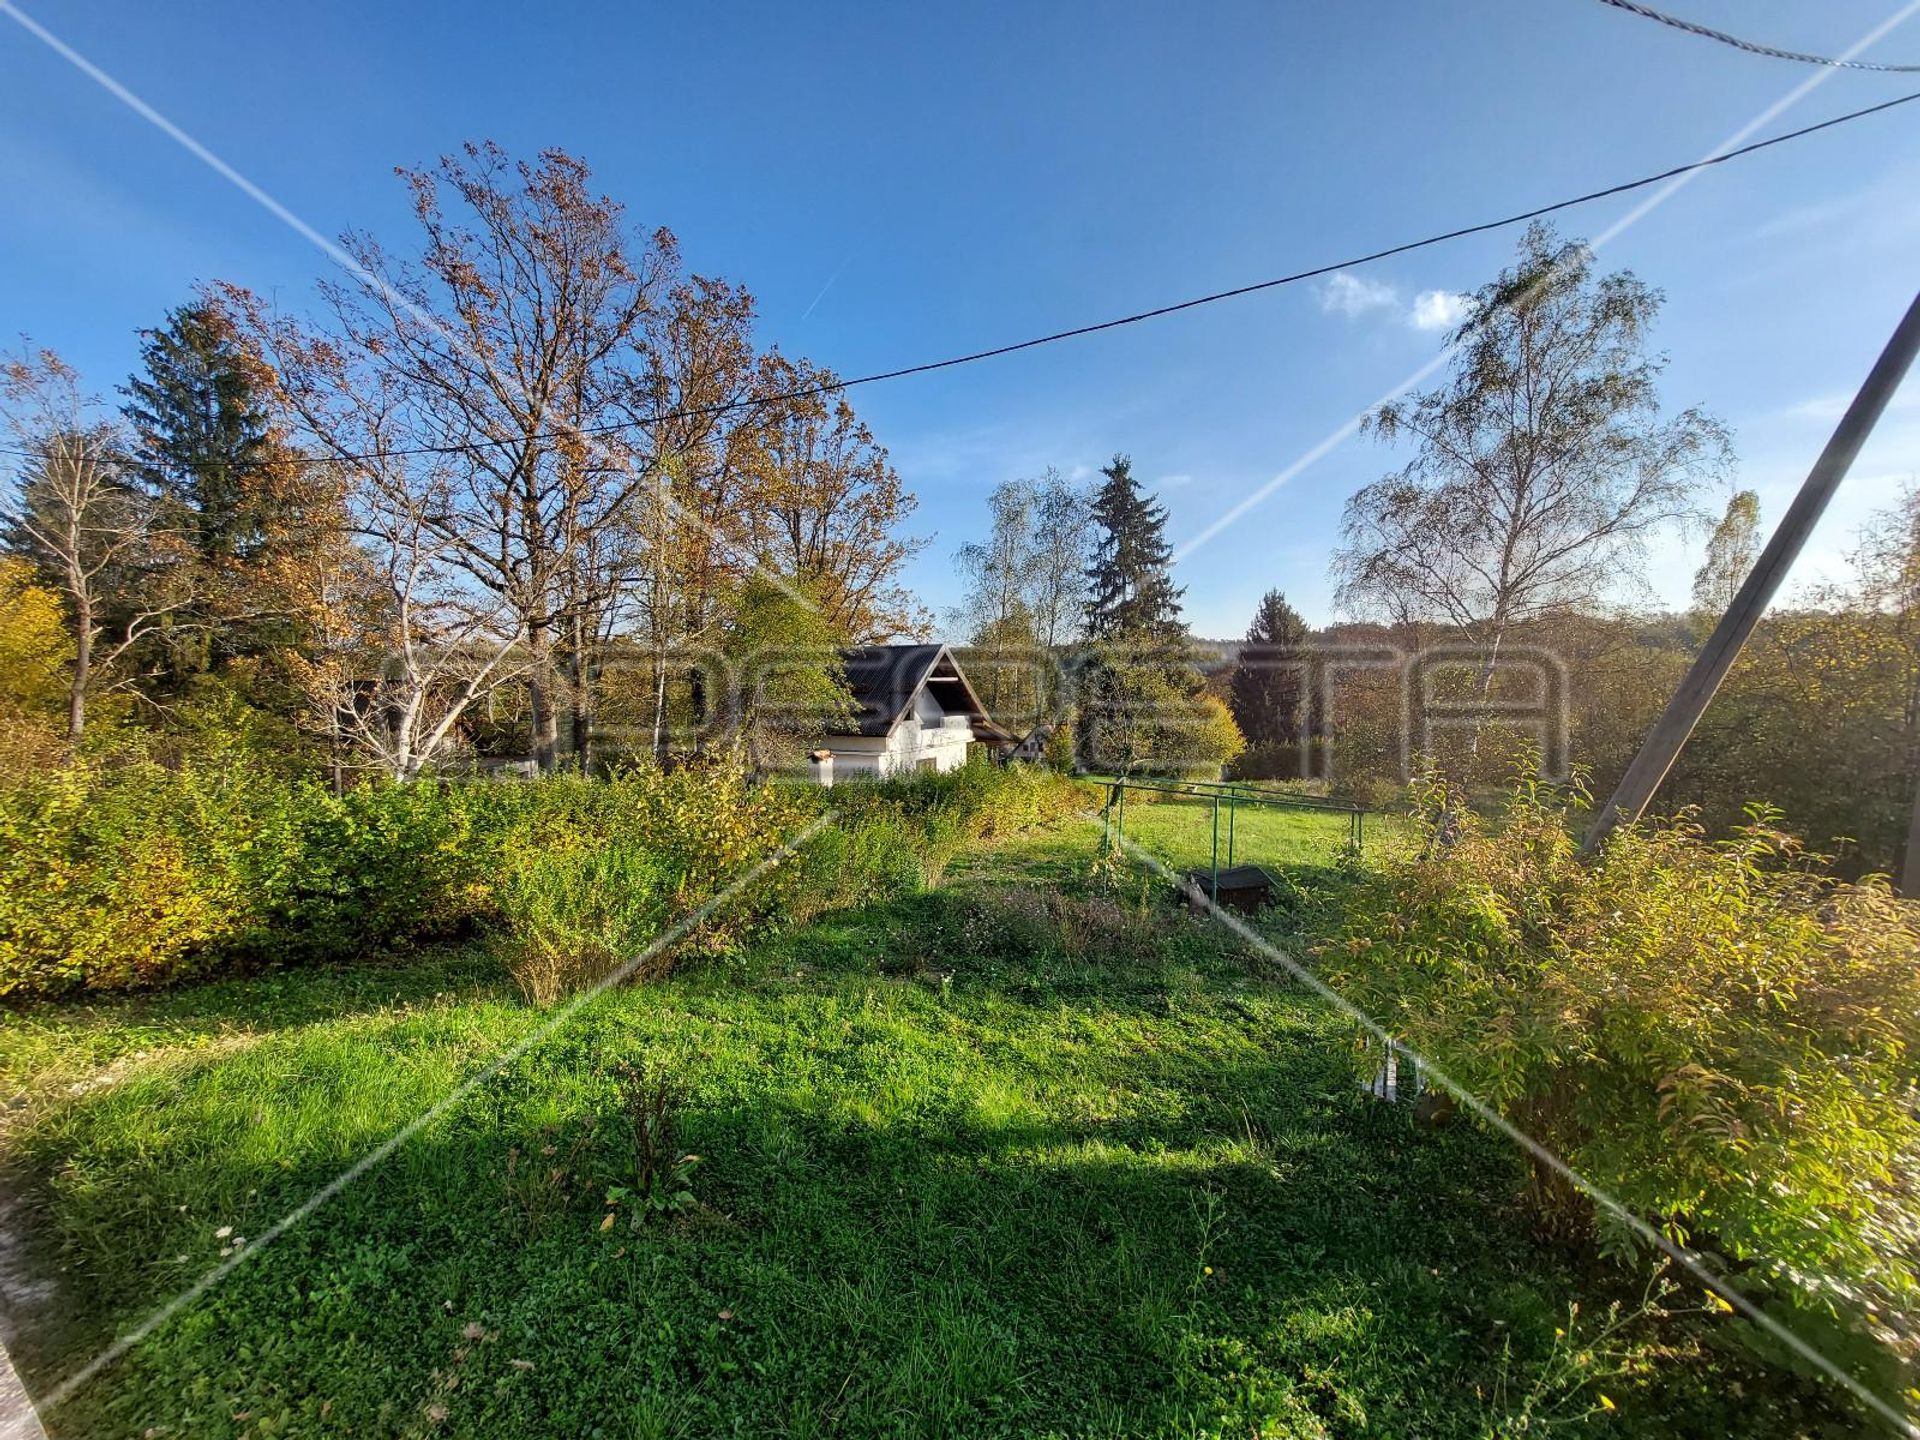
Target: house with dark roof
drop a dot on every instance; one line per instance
(913, 710)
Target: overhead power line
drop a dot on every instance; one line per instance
(838, 386)
(1772, 52)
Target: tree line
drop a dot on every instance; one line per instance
(502, 490)
(491, 493)
(1513, 538)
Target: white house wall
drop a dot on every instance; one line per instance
(902, 750)
(922, 735)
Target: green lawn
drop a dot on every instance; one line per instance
(1005, 1159)
(1180, 831)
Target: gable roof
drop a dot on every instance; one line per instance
(885, 679)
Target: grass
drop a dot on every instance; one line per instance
(1180, 831)
(997, 1160)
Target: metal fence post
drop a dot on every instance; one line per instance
(1233, 804)
(1216, 848)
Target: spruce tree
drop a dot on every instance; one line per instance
(1131, 594)
(203, 445)
(1267, 686)
(1141, 706)
(201, 440)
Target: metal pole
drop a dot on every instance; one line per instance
(1216, 849)
(1122, 788)
(1233, 804)
(1662, 746)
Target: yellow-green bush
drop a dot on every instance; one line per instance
(574, 916)
(35, 655)
(1718, 1033)
(120, 872)
(129, 874)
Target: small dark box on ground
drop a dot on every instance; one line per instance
(1245, 888)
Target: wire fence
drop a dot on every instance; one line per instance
(1213, 830)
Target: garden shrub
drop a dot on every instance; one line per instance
(403, 862)
(571, 917)
(114, 875)
(1716, 1032)
(117, 871)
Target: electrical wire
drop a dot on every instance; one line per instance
(1647, 12)
(838, 386)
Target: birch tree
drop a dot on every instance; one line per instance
(1539, 468)
(1731, 551)
(1000, 573)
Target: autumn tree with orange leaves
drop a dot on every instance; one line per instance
(584, 433)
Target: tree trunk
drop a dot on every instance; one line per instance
(1485, 688)
(660, 706)
(545, 723)
(1910, 870)
(581, 665)
(82, 675)
(336, 769)
(697, 706)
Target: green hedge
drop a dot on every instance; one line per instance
(122, 872)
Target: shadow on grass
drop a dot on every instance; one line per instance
(965, 1169)
(930, 1272)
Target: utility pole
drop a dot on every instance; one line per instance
(1663, 744)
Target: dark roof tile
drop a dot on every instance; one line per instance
(885, 678)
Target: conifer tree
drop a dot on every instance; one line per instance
(1141, 706)
(201, 439)
(1131, 594)
(1267, 685)
(202, 443)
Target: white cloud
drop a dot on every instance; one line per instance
(1356, 297)
(1439, 309)
(1350, 295)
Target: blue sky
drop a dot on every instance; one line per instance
(897, 183)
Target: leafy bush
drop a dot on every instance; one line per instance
(988, 801)
(571, 918)
(118, 872)
(120, 875)
(1715, 1032)
(867, 858)
(35, 651)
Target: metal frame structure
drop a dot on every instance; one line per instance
(1228, 794)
